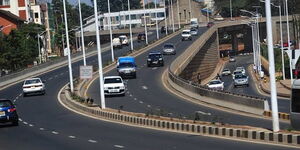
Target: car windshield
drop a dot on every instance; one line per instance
(237, 72)
(193, 22)
(185, 32)
(141, 35)
(153, 56)
(240, 76)
(123, 65)
(168, 46)
(225, 70)
(214, 82)
(193, 29)
(5, 103)
(122, 37)
(112, 80)
(33, 81)
(240, 68)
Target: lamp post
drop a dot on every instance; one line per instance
(288, 32)
(165, 14)
(145, 22)
(110, 33)
(82, 37)
(179, 24)
(272, 67)
(68, 47)
(190, 12)
(230, 9)
(156, 22)
(172, 11)
(99, 56)
(130, 30)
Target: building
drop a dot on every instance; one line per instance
(9, 21)
(20, 8)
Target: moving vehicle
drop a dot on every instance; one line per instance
(242, 69)
(194, 31)
(194, 23)
(241, 79)
(126, 67)
(155, 59)
(124, 40)
(8, 112)
(113, 85)
(226, 72)
(32, 86)
(117, 42)
(231, 59)
(186, 35)
(295, 105)
(169, 48)
(141, 37)
(163, 29)
(218, 18)
(235, 72)
(216, 84)
(210, 24)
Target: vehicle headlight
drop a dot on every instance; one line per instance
(149, 59)
(133, 70)
(160, 59)
(122, 87)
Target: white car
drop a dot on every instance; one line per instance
(235, 72)
(117, 42)
(32, 86)
(124, 40)
(242, 69)
(216, 84)
(186, 35)
(226, 72)
(114, 85)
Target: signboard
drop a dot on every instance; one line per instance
(86, 72)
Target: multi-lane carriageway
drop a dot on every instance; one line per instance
(45, 124)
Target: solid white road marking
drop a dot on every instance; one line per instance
(118, 146)
(145, 87)
(92, 141)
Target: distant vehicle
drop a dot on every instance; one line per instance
(141, 37)
(226, 72)
(242, 69)
(169, 48)
(295, 105)
(235, 72)
(117, 42)
(186, 35)
(241, 79)
(231, 59)
(113, 85)
(210, 24)
(194, 23)
(163, 29)
(126, 67)
(218, 18)
(8, 112)
(194, 31)
(32, 86)
(216, 84)
(155, 59)
(124, 40)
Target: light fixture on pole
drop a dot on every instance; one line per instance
(82, 37)
(110, 33)
(102, 97)
(156, 21)
(165, 14)
(172, 11)
(289, 45)
(272, 67)
(145, 22)
(68, 47)
(130, 30)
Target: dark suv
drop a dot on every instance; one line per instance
(155, 59)
(8, 112)
(141, 37)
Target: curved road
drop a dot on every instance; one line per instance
(46, 125)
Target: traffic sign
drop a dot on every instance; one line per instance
(86, 72)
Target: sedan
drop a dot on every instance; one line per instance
(8, 112)
(236, 72)
(194, 31)
(33, 85)
(226, 72)
(216, 84)
(241, 79)
(169, 48)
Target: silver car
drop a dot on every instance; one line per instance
(194, 31)
(226, 72)
(169, 48)
(240, 80)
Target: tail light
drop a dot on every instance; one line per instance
(26, 87)
(12, 109)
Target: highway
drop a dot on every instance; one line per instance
(245, 61)
(45, 124)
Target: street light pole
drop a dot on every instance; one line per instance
(130, 30)
(190, 12)
(172, 11)
(288, 32)
(82, 37)
(165, 14)
(179, 24)
(99, 56)
(145, 22)
(68, 47)
(40, 56)
(272, 67)
(110, 33)
(281, 43)
(230, 10)
(156, 22)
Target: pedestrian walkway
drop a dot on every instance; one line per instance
(283, 86)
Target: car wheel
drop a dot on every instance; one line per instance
(24, 94)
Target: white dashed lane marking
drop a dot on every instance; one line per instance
(148, 105)
(154, 68)
(141, 102)
(31, 125)
(25, 122)
(20, 94)
(50, 78)
(118, 146)
(145, 87)
(72, 137)
(42, 129)
(20, 119)
(135, 99)
(92, 141)
(54, 132)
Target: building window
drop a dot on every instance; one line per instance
(4, 2)
(36, 15)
